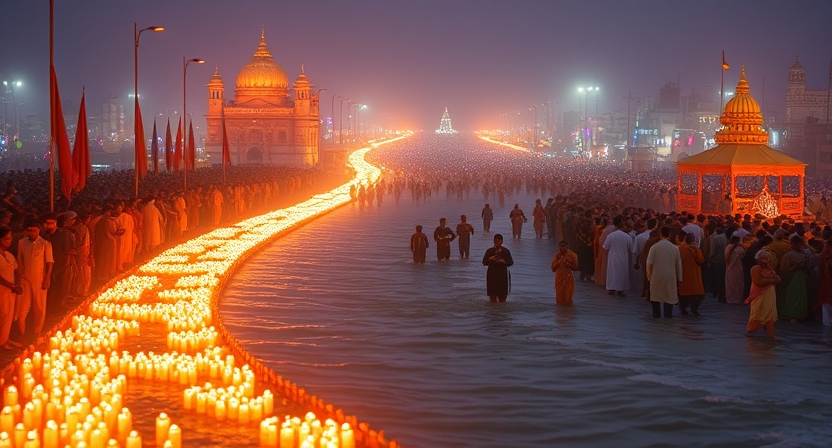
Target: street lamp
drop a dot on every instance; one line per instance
(11, 86)
(136, 35)
(185, 116)
(320, 135)
(332, 114)
(595, 89)
(357, 120)
(534, 128)
(341, 120)
(585, 91)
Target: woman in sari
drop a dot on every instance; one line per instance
(564, 263)
(794, 267)
(763, 296)
(733, 271)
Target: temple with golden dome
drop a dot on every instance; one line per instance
(263, 122)
(742, 174)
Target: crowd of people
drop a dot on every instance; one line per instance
(54, 259)
(622, 230)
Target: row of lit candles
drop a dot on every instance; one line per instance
(81, 388)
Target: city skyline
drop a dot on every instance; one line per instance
(408, 62)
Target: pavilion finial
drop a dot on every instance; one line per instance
(263, 32)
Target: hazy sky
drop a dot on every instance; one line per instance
(407, 60)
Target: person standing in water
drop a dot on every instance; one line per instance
(487, 217)
(497, 278)
(464, 230)
(419, 245)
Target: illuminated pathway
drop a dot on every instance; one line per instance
(157, 328)
(507, 145)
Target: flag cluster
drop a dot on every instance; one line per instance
(74, 167)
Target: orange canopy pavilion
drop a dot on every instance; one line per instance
(742, 174)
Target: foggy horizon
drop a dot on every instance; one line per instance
(407, 62)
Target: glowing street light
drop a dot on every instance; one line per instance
(136, 141)
(10, 87)
(185, 114)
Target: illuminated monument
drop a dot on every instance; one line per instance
(264, 124)
(445, 124)
(742, 174)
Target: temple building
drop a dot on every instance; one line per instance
(263, 122)
(804, 106)
(742, 174)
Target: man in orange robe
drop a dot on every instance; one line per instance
(564, 263)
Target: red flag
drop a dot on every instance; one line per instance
(60, 141)
(725, 65)
(177, 153)
(141, 148)
(154, 150)
(168, 148)
(226, 149)
(190, 152)
(81, 163)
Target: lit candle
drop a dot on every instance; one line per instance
(125, 423)
(268, 402)
(162, 427)
(175, 436)
(219, 410)
(97, 439)
(134, 440)
(243, 413)
(287, 435)
(19, 435)
(233, 408)
(51, 435)
(7, 418)
(347, 436)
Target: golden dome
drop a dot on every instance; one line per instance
(262, 72)
(742, 121)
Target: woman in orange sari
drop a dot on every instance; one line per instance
(763, 296)
(564, 263)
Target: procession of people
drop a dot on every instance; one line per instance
(625, 231)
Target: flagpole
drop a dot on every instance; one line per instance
(51, 109)
(722, 86)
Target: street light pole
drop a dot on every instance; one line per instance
(332, 115)
(136, 36)
(320, 135)
(11, 87)
(358, 120)
(185, 117)
(534, 128)
(341, 120)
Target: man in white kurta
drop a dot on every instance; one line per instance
(619, 245)
(664, 270)
(34, 259)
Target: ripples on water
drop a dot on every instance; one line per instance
(417, 350)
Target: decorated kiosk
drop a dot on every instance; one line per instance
(742, 174)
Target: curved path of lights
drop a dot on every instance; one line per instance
(72, 393)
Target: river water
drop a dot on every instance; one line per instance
(417, 350)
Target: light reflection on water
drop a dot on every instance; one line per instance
(418, 351)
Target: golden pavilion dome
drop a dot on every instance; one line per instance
(742, 120)
(262, 73)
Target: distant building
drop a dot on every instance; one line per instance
(445, 124)
(264, 124)
(802, 104)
